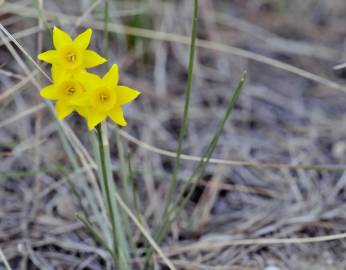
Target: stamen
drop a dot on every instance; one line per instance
(71, 90)
(71, 57)
(103, 97)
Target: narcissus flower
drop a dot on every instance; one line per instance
(75, 89)
(107, 98)
(69, 91)
(71, 54)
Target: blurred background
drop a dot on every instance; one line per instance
(278, 167)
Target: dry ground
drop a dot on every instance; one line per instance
(286, 116)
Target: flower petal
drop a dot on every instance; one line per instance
(117, 116)
(82, 101)
(94, 118)
(60, 38)
(63, 109)
(111, 78)
(50, 56)
(49, 92)
(83, 39)
(59, 74)
(92, 59)
(88, 80)
(82, 111)
(126, 94)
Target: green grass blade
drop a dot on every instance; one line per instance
(182, 132)
(185, 121)
(190, 185)
(93, 231)
(105, 28)
(121, 224)
(42, 16)
(134, 188)
(91, 204)
(198, 172)
(145, 233)
(124, 169)
(120, 245)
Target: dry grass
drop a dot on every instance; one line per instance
(274, 193)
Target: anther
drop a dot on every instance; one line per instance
(103, 97)
(71, 57)
(71, 90)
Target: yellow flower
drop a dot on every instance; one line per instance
(107, 98)
(69, 91)
(71, 54)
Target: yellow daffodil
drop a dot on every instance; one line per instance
(71, 54)
(107, 98)
(69, 91)
(75, 89)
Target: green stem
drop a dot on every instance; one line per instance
(184, 126)
(190, 185)
(122, 224)
(173, 184)
(105, 28)
(124, 170)
(93, 231)
(120, 246)
(106, 186)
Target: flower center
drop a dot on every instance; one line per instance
(104, 99)
(69, 89)
(71, 57)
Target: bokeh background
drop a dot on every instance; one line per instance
(278, 167)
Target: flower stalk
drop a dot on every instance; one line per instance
(95, 98)
(119, 246)
(103, 172)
